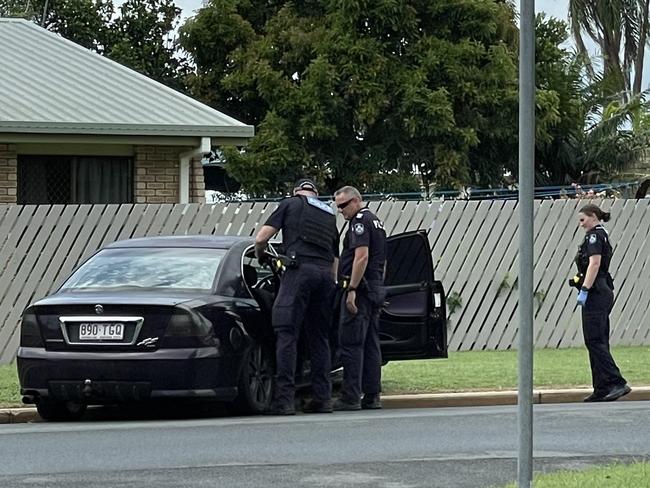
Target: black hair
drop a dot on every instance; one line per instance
(595, 211)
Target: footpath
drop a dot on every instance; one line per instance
(423, 400)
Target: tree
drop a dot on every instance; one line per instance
(15, 8)
(589, 133)
(620, 29)
(562, 88)
(211, 37)
(142, 38)
(347, 90)
(85, 22)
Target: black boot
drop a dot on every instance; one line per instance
(315, 406)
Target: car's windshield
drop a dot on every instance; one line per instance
(152, 268)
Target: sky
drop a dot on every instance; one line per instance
(554, 8)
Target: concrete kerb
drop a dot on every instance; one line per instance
(426, 400)
(19, 415)
(487, 398)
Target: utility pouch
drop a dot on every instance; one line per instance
(280, 262)
(577, 281)
(343, 282)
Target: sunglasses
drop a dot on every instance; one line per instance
(341, 206)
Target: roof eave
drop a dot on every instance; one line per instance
(236, 131)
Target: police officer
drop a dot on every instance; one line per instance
(596, 297)
(310, 240)
(362, 268)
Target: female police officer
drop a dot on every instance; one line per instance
(596, 297)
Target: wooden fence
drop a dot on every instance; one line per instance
(474, 243)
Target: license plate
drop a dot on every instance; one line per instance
(90, 331)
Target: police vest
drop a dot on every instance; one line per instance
(317, 223)
(582, 258)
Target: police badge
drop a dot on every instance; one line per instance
(359, 228)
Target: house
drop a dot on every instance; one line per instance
(78, 128)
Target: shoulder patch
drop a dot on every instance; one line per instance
(358, 228)
(320, 205)
(593, 238)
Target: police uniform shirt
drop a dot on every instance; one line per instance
(365, 229)
(287, 217)
(597, 243)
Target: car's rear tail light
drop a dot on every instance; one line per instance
(187, 328)
(30, 334)
(186, 324)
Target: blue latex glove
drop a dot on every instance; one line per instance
(582, 297)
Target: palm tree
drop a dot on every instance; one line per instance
(620, 29)
(599, 134)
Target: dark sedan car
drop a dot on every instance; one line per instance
(189, 317)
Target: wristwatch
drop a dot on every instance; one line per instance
(352, 288)
(584, 288)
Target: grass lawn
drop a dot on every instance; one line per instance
(635, 475)
(497, 370)
(9, 390)
(465, 371)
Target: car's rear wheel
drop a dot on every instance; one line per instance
(256, 381)
(56, 410)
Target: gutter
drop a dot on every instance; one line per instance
(184, 171)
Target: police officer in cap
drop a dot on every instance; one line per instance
(596, 297)
(362, 269)
(310, 240)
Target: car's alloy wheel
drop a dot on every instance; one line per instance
(256, 381)
(55, 410)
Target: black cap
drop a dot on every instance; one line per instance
(306, 184)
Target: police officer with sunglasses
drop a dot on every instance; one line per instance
(310, 239)
(361, 271)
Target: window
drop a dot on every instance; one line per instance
(408, 259)
(148, 268)
(74, 179)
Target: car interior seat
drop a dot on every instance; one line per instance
(263, 297)
(249, 275)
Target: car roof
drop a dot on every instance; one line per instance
(200, 241)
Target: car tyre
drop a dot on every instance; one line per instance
(60, 411)
(256, 381)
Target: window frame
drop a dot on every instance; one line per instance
(72, 162)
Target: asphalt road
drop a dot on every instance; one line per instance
(450, 447)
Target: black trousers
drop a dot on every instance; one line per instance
(360, 351)
(595, 328)
(304, 299)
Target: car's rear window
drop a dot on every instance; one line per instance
(148, 268)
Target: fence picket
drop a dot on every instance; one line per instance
(474, 246)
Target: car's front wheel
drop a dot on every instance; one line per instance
(60, 411)
(256, 381)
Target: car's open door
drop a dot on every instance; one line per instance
(413, 322)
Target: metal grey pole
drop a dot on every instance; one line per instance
(44, 14)
(525, 207)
